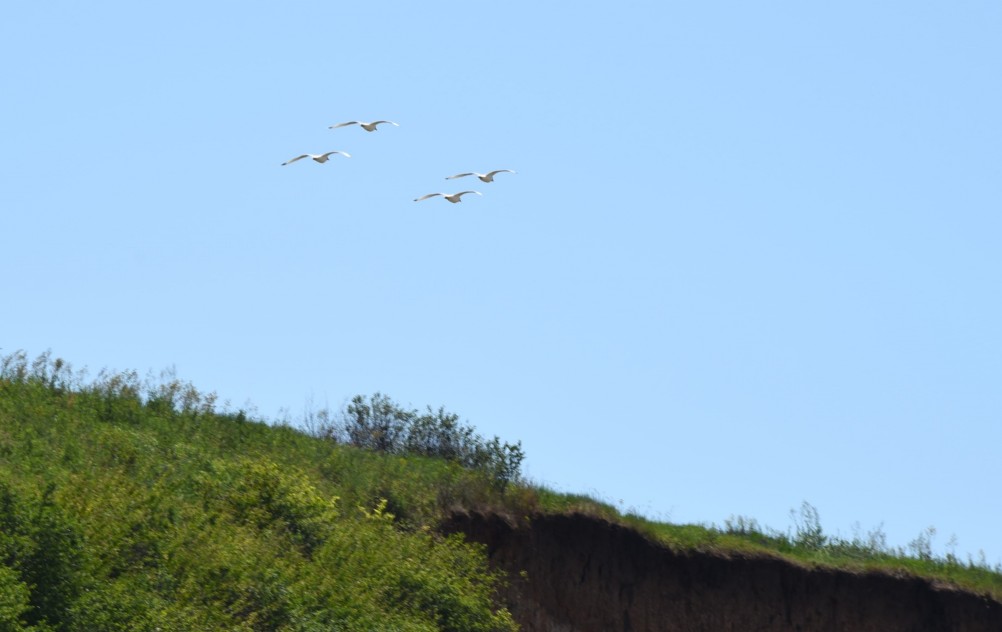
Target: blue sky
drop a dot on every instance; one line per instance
(750, 257)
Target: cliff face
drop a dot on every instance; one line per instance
(580, 574)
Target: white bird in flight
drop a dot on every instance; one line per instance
(319, 158)
(454, 197)
(369, 127)
(484, 177)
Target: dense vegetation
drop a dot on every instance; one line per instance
(381, 425)
(133, 504)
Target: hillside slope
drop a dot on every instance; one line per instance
(134, 505)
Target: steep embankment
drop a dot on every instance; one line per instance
(578, 573)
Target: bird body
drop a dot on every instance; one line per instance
(321, 158)
(484, 177)
(369, 127)
(452, 197)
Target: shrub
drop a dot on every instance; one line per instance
(263, 495)
(381, 425)
(14, 595)
(39, 543)
(808, 532)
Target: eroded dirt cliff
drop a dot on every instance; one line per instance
(576, 573)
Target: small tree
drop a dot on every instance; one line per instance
(439, 433)
(501, 461)
(378, 424)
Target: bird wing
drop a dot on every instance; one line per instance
(343, 153)
(295, 159)
(378, 122)
(460, 175)
(425, 197)
(497, 171)
(343, 124)
(465, 192)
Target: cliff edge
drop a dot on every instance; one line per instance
(577, 573)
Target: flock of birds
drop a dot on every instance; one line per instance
(371, 127)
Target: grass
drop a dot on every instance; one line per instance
(806, 546)
(133, 504)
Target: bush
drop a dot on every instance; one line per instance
(263, 495)
(14, 596)
(40, 545)
(379, 424)
(425, 580)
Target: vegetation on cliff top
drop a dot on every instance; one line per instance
(133, 504)
(805, 543)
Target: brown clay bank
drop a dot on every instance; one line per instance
(577, 573)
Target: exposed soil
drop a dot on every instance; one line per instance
(576, 573)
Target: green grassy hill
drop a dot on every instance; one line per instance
(132, 508)
(127, 504)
